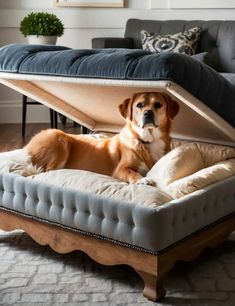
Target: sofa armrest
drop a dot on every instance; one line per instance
(112, 42)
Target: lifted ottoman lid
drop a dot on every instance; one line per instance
(88, 85)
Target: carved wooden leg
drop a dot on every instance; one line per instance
(153, 289)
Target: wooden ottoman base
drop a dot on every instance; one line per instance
(152, 268)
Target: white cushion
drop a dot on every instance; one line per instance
(180, 171)
(201, 179)
(180, 162)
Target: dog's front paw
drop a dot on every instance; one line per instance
(146, 181)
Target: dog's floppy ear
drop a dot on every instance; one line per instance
(172, 107)
(125, 108)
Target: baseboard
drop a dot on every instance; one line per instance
(11, 112)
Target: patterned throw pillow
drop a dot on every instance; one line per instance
(184, 42)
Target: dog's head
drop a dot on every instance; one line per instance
(149, 110)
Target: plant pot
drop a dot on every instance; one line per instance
(42, 39)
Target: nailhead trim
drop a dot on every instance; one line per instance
(148, 251)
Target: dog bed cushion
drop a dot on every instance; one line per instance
(18, 162)
(105, 186)
(185, 169)
(139, 194)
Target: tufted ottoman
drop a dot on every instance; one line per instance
(87, 86)
(150, 239)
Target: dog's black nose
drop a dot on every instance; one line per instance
(148, 114)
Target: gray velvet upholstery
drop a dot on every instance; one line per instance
(217, 38)
(143, 227)
(127, 64)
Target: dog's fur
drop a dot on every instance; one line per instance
(126, 156)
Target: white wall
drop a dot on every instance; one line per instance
(82, 24)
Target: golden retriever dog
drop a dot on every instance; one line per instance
(126, 156)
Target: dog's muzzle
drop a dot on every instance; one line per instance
(148, 118)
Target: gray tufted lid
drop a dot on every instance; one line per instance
(88, 86)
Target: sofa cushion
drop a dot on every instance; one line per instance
(183, 42)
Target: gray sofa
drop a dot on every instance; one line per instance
(217, 40)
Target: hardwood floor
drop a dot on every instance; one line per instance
(11, 139)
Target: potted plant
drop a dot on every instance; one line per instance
(41, 28)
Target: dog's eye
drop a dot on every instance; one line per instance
(157, 105)
(140, 105)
